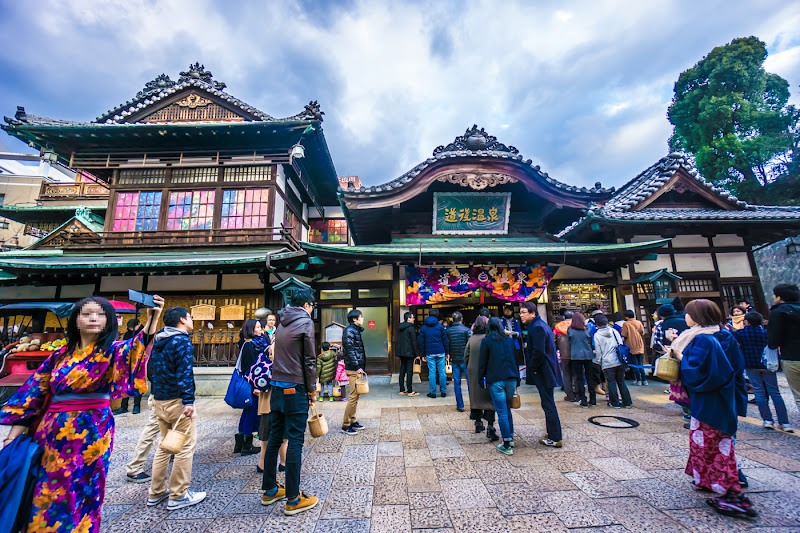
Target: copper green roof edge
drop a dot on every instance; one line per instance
(655, 275)
(522, 247)
(5, 276)
(47, 208)
(154, 125)
(70, 261)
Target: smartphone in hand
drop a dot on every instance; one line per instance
(141, 297)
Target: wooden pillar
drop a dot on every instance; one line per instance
(394, 318)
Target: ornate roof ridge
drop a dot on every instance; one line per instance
(475, 143)
(196, 76)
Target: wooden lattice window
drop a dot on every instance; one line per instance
(245, 208)
(327, 231)
(734, 294)
(206, 112)
(248, 173)
(137, 211)
(142, 176)
(190, 210)
(696, 285)
(195, 174)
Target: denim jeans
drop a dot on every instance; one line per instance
(460, 369)
(501, 392)
(638, 373)
(616, 377)
(436, 367)
(327, 388)
(552, 422)
(289, 415)
(765, 383)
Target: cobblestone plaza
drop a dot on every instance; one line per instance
(419, 466)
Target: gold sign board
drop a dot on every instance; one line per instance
(203, 312)
(231, 312)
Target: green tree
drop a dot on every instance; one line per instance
(733, 117)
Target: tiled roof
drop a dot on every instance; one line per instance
(618, 208)
(475, 143)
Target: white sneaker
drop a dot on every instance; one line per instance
(785, 427)
(189, 499)
(644, 383)
(152, 502)
(769, 425)
(637, 382)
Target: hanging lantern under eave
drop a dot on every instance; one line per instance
(647, 290)
(662, 288)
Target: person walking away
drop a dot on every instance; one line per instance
(355, 359)
(619, 321)
(784, 333)
(513, 329)
(484, 312)
(543, 369)
(434, 346)
(597, 372)
(293, 388)
(457, 336)
(606, 344)
(76, 427)
(709, 378)
(173, 400)
(672, 326)
(132, 328)
(581, 353)
(498, 367)
(134, 470)
(736, 321)
(564, 357)
(753, 340)
(633, 333)
(480, 401)
(407, 351)
(253, 344)
(326, 368)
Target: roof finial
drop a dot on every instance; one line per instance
(198, 72)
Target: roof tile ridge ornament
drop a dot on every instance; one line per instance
(198, 72)
(473, 140)
(155, 86)
(312, 111)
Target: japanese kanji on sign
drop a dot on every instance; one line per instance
(471, 213)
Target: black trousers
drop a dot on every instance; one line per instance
(406, 373)
(581, 369)
(552, 422)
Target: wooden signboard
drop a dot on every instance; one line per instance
(203, 312)
(333, 333)
(231, 312)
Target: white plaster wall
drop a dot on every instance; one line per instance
(728, 240)
(27, 292)
(377, 273)
(689, 241)
(241, 281)
(625, 273)
(182, 283)
(280, 205)
(734, 265)
(78, 291)
(121, 283)
(651, 266)
(331, 211)
(694, 262)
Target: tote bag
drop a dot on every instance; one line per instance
(240, 393)
(259, 374)
(770, 359)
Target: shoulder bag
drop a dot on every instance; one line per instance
(240, 393)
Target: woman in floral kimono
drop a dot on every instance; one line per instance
(65, 406)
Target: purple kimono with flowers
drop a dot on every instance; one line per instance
(77, 444)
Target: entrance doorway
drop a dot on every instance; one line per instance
(375, 335)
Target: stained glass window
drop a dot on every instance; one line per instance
(332, 230)
(245, 208)
(190, 210)
(291, 221)
(137, 211)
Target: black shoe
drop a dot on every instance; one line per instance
(492, 435)
(348, 430)
(136, 410)
(141, 477)
(281, 468)
(431, 395)
(460, 409)
(259, 469)
(117, 412)
(743, 479)
(686, 426)
(239, 440)
(479, 427)
(247, 446)
(444, 394)
(357, 426)
(584, 404)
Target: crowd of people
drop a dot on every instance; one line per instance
(65, 406)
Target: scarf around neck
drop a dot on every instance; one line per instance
(683, 340)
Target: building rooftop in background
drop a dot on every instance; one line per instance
(346, 181)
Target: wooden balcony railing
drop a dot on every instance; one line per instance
(192, 238)
(84, 189)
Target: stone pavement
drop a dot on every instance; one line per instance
(419, 466)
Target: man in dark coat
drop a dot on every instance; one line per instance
(457, 335)
(784, 332)
(355, 360)
(407, 351)
(543, 370)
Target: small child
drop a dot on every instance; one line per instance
(341, 376)
(326, 370)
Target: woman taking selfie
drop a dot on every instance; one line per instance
(65, 406)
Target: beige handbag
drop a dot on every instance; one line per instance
(337, 392)
(317, 424)
(319, 387)
(417, 365)
(263, 402)
(448, 370)
(516, 401)
(362, 387)
(173, 442)
(667, 368)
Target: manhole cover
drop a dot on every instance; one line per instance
(618, 422)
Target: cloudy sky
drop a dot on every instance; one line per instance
(580, 87)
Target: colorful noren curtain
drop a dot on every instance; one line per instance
(514, 284)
